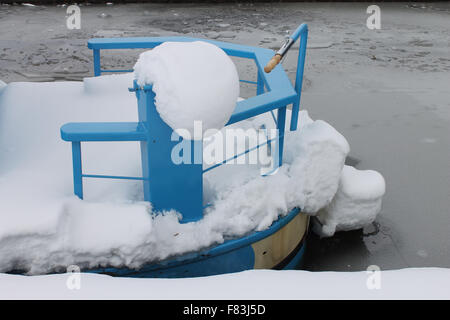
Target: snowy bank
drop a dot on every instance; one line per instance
(45, 227)
(426, 283)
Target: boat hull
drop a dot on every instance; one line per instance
(280, 247)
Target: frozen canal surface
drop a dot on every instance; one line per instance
(387, 91)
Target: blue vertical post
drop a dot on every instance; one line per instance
(259, 84)
(97, 68)
(281, 120)
(168, 183)
(302, 31)
(77, 170)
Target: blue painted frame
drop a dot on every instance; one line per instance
(273, 81)
(274, 91)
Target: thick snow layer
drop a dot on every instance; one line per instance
(44, 227)
(114, 83)
(356, 203)
(192, 81)
(309, 177)
(315, 151)
(425, 283)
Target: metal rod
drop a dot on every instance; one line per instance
(248, 81)
(274, 118)
(97, 69)
(285, 47)
(131, 70)
(260, 84)
(281, 120)
(299, 76)
(302, 31)
(240, 154)
(77, 169)
(111, 177)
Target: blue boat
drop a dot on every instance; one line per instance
(282, 245)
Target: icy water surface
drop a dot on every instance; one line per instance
(387, 91)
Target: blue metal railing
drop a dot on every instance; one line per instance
(241, 154)
(273, 91)
(301, 31)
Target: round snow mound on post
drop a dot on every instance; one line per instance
(192, 81)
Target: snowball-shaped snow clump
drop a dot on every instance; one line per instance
(192, 81)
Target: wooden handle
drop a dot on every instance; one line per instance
(272, 63)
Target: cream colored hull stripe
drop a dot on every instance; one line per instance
(272, 250)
